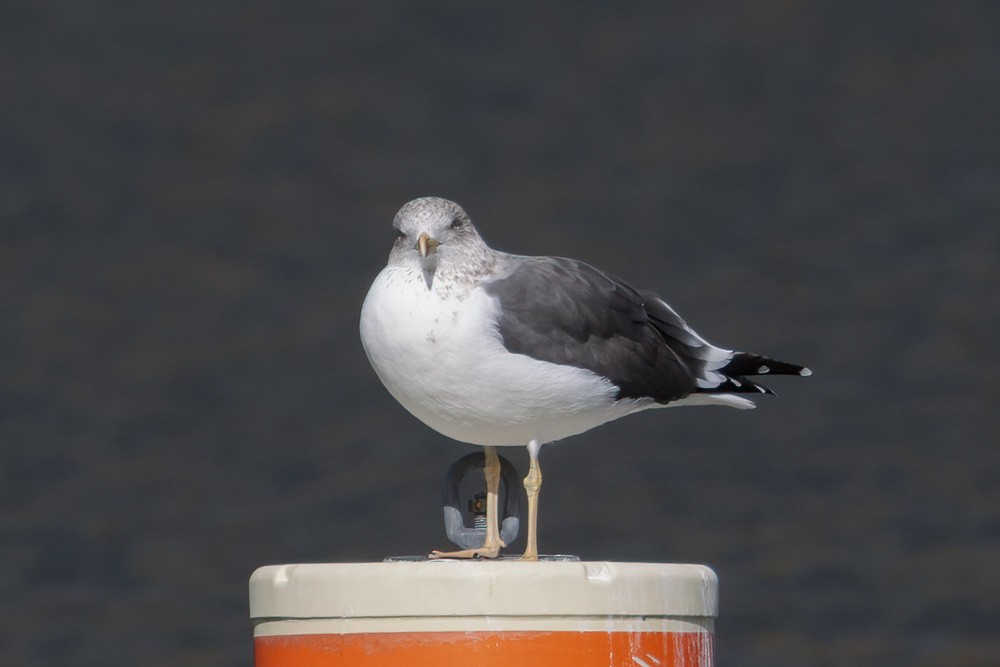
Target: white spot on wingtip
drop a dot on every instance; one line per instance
(805, 372)
(763, 369)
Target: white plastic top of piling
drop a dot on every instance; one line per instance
(482, 588)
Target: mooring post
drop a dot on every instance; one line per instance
(477, 613)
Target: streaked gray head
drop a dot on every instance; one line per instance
(436, 235)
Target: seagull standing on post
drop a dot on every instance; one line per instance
(495, 349)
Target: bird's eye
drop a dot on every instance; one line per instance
(400, 235)
(457, 222)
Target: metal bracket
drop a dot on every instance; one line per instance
(473, 537)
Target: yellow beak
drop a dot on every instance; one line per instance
(426, 245)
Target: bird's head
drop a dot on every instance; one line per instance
(432, 233)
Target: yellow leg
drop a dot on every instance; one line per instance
(491, 548)
(491, 470)
(532, 485)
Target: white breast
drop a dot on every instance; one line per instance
(439, 354)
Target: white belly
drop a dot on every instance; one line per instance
(445, 363)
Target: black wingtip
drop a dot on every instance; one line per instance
(744, 363)
(738, 384)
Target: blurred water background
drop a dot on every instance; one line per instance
(195, 196)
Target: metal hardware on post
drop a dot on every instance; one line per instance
(472, 537)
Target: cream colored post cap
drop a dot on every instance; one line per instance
(482, 588)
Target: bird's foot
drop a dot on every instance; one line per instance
(481, 552)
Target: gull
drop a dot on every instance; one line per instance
(495, 349)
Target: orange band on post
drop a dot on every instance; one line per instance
(479, 649)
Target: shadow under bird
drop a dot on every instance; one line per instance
(496, 349)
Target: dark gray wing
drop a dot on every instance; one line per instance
(567, 312)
